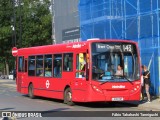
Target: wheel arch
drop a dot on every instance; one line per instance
(66, 101)
(67, 86)
(29, 85)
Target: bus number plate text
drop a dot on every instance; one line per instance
(117, 99)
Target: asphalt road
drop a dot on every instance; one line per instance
(10, 100)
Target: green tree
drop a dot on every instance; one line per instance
(5, 33)
(33, 26)
(36, 24)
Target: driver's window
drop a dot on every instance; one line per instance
(80, 65)
(128, 65)
(98, 66)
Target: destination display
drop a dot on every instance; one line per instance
(100, 47)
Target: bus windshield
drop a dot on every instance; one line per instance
(115, 62)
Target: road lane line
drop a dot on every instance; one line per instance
(5, 81)
(40, 101)
(10, 85)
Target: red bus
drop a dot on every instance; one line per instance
(81, 71)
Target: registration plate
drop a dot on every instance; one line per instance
(117, 99)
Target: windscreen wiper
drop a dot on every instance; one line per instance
(128, 79)
(119, 76)
(104, 82)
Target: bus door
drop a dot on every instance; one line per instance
(80, 84)
(20, 73)
(25, 74)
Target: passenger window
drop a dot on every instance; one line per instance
(57, 65)
(80, 65)
(68, 62)
(39, 65)
(21, 64)
(48, 65)
(31, 66)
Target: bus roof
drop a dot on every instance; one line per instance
(67, 47)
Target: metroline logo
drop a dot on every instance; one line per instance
(118, 86)
(76, 46)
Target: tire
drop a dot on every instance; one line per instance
(31, 92)
(68, 97)
(135, 105)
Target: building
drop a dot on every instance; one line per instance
(65, 25)
(137, 20)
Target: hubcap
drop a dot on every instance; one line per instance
(69, 96)
(30, 91)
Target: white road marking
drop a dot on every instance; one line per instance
(10, 85)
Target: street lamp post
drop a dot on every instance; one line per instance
(20, 23)
(13, 34)
(14, 24)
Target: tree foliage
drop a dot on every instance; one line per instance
(5, 32)
(33, 26)
(36, 23)
(5, 29)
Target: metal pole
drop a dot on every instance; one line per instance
(53, 22)
(122, 18)
(105, 21)
(92, 18)
(152, 23)
(138, 19)
(12, 38)
(158, 22)
(110, 22)
(20, 25)
(14, 19)
(125, 24)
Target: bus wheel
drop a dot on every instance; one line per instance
(68, 97)
(30, 91)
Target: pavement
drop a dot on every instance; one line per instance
(154, 105)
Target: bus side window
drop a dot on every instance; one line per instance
(31, 66)
(57, 66)
(39, 65)
(68, 62)
(21, 64)
(48, 66)
(80, 65)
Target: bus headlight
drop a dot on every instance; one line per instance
(135, 88)
(97, 89)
